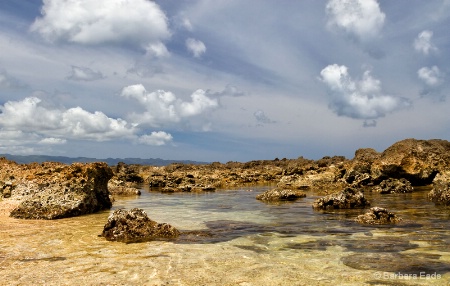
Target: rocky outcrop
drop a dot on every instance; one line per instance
(418, 161)
(276, 195)
(440, 194)
(393, 186)
(358, 170)
(53, 190)
(134, 225)
(121, 188)
(349, 198)
(377, 215)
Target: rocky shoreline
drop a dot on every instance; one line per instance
(54, 190)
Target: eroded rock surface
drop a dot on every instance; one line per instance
(440, 194)
(276, 195)
(54, 191)
(393, 186)
(134, 225)
(349, 198)
(377, 215)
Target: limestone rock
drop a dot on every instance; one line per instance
(377, 215)
(440, 194)
(58, 191)
(393, 186)
(280, 195)
(418, 161)
(348, 198)
(134, 225)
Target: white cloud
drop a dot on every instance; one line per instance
(138, 22)
(52, 141)
(156, 138)
(196, 47)
(361, 99)
(430, 76)
(163, 107)
(29, 121)
(362, 18)
(423, 42)
(84, 74)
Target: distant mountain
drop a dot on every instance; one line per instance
(21, 159)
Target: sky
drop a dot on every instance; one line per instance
(221, 80)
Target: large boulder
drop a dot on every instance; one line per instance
(275, 195)
(134, 225)
(358, 169)
(349, 198)
(418, 161)
(377, 215)
(393, 186)
(440, 194)
(53, 191)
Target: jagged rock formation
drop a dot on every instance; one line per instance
(54, 190)
(393, 186)
(440, 194)
(377, 215)
(134, 225)
(349, 198)
(276, 195)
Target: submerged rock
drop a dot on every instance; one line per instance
(60, 191)
(134, 225)
(349, 198)
(280, 195)
(393, 186)
(440, 194)
(377, 215)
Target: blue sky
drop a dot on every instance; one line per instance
(221, 80)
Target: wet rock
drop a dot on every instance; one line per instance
(60, 191)
(349, 198)
(280, 195)
(393, 186)
(440, 194)
(134, 225)
(377, 215)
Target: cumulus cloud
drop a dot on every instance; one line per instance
(430, 76)
(46, 126)
(156, 138)
(359, 99)
(163, 107)
(195, 47)
(362, 18)
(423, 42)
(137, 22)
(84, 74)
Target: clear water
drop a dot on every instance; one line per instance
(247, 242)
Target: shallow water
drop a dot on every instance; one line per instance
(248, 243)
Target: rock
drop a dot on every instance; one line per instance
(280, 195)
(440, 194)
(393, 186)
(358, 169)
(377, 215)
(134, 225)
(60, 191)
(349, 198)
(121, 188)
(418, 161)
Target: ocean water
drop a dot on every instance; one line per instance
(235, 239)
